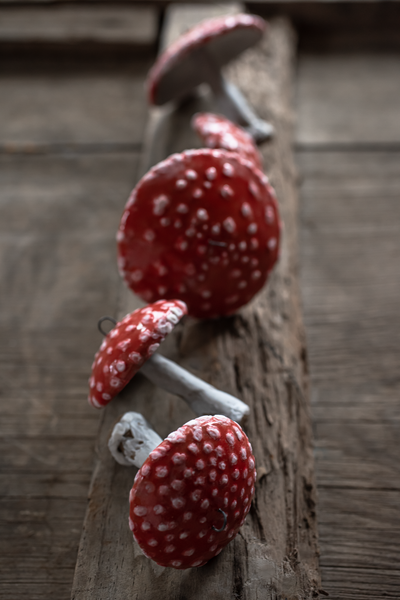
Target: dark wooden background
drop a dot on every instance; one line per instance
(72, 118)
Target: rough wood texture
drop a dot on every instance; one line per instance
(258, 355)
(350, 164)
(59, 210)
(104, 24)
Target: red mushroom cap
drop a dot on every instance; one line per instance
(198, 474)
(128, 345)
(219, 132)
(173, 74)
(202, 226)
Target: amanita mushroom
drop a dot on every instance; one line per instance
(130, 346)
(202, 226)
(218, 132)
(193, 492)
(198, 56)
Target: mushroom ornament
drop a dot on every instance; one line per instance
(131, 345)
(193, 492)
(202, 226)
(198, 57)
(218, 132)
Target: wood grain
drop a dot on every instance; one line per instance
(63, 187)
(350, 162)
(258, 355)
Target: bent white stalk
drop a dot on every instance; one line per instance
(230, 101)
(203, 398)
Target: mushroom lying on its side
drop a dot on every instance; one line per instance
(131, 345)
(198, 57)
(193, 492)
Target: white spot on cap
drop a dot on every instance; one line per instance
(224, 480)
(213, 432)
(238, 433)
(178, 502)
(197, 193)
(242, 284)
(160, 204)
(207, 184)
(149, 235)
(252, 228)
(120, 236)
(231, 299)
(152, 348)
(236, 273)
(135, 357)
(254, 189)
(254, 243)
(106, 396)
(229, 225)
(145, 470)
(269, 214)
(272, 243)
(236, 474)
(152, 543)
(206, 294)
(181, 184)
(165, 221)
(136, 276)
(226, 191)
(176, 436)
(196, 495)
(189, 552)
(246, 210)
(200, 464)
(187, 516)
(190, 174)
(228, 170)
(162, 289)
(99, 386)
(211, 173)
(256, 274)
(205, 504)
(190, 232)
(178, 458)
(202, 214)
(146, 525)
(161, 472)
(193, 448)
(216, 229)
(140, 511)
(182, 208)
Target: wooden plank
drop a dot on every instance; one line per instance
(69, 149)
(276, 551)
(351, 240)
(368, 85)
(350, 250)
(122, 24)
(79, 104)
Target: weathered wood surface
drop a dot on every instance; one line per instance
(102, 24)
(258, 355)
(349, 158)
(70, 140)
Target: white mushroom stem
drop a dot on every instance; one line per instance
(230, 101)
(203, 398)
(132, 440)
